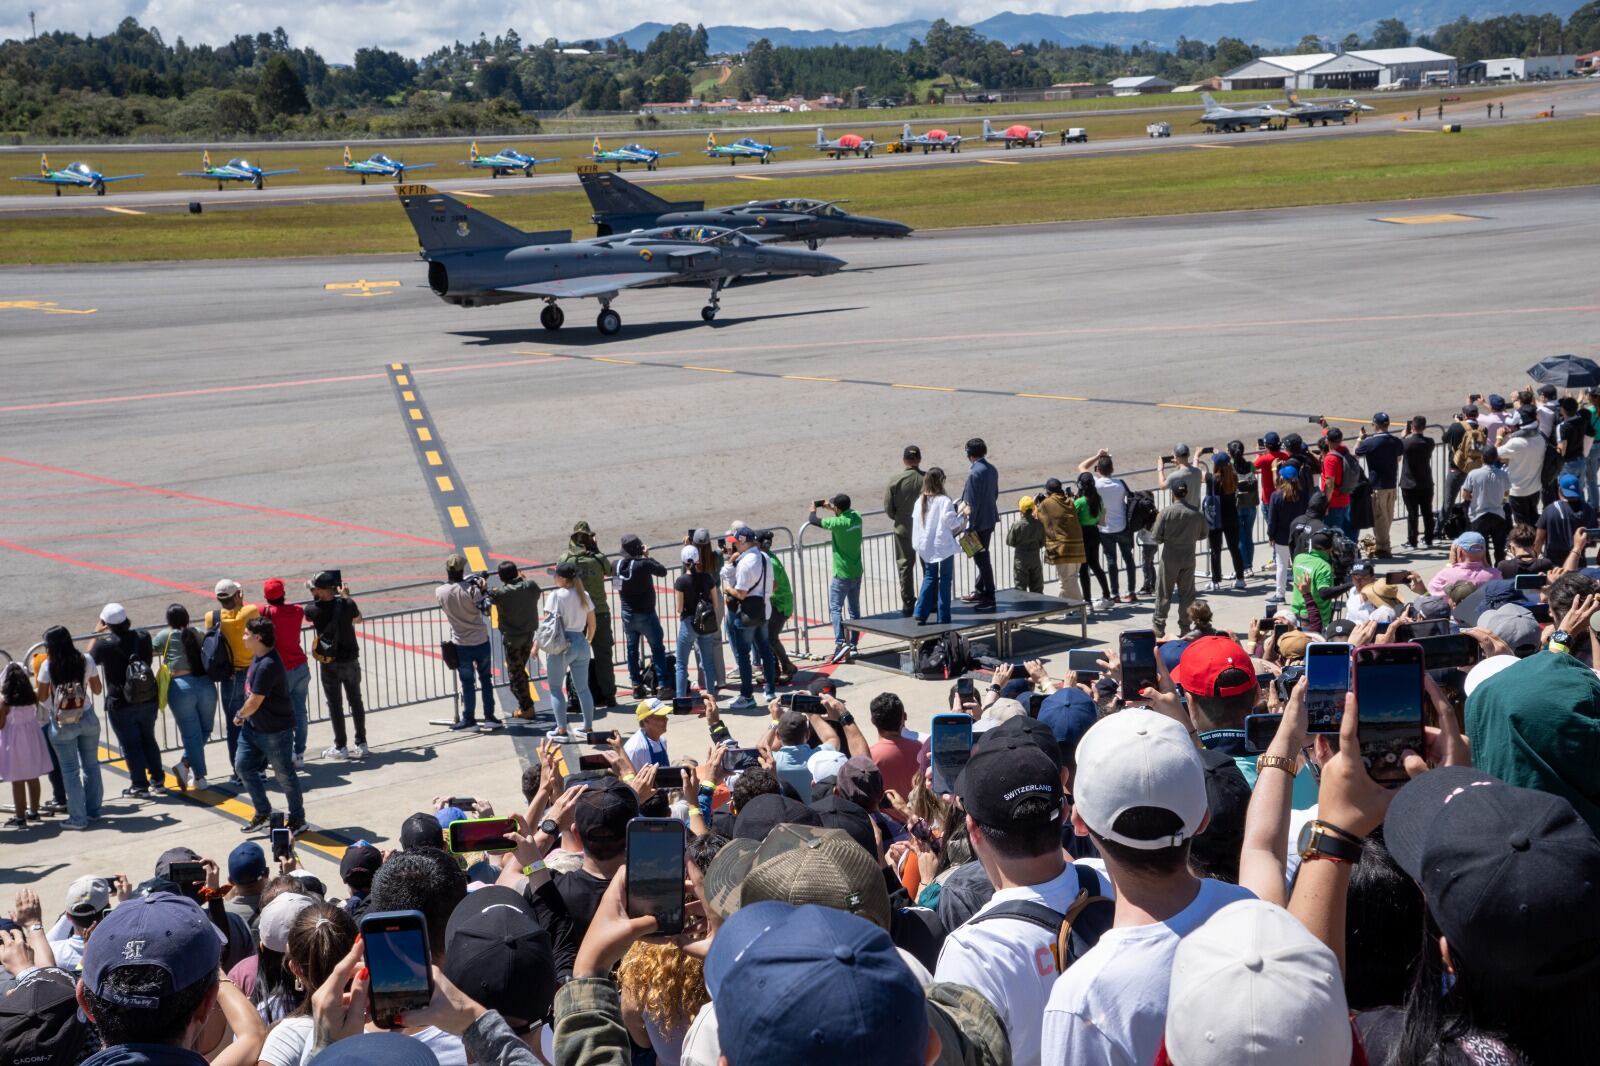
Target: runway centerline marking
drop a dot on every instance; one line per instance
(123, 211)
(49, 307)
(1211, 146)
(1428, 220)
(475, 195)
(363, 287)
(751, 177)
(1000, 162)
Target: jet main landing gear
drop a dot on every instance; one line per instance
(551, 316)
(608, 322)
(708, 313)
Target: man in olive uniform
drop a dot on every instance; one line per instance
(516, 610)
(898, 502)
(593, 569)
(1026, 538)
(1179, 527)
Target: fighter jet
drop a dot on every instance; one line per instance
(504, 162)
(76, 175)
(475, 260)
(847, 144)
(932, 141)
(637, 154)
(378, 166)
(621, 206)
(1311, 112)
(1017, 135)
(743, 148)
(1234, 119)
(233, 170)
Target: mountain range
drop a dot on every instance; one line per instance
(1270, 23)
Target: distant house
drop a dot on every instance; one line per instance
(1134, 86)
(1367, 68)
(1532, 67)
(1587, 61)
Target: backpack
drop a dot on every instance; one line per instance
(704, 621)
(1342, 555)
(71, 700)
(1350, 474)
(139, 682)
(943, 657)
(1141, 509)
(216, 654)
(551, 636)
(1468, 454)
(325, 648)
(1076, 931)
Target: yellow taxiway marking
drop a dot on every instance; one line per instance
(433, 458)
(364, 288)
(394, 366)
(710, 369)
(1427, 220)
(458, 518)
(602, 359)
(475, 195)
(475, 558)
(424, 434)
(1200, 407)
(124, 210)
(416, 414)
(49, 307)
(808, 377)
(408, 396)
(444, 483)
(1000, 162)
(1049, 396)
(1211, 146)
(751, 177)
(923, 388)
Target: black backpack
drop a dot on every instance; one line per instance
(1076, 931)
(139, 682)
(215, 652)
(1141, 510)
(944, 657)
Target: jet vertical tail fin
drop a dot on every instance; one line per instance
(445, 224)
(472, 153)
(594, 149)
(821, 137)
(1208, 100)
(988, 130)
(205, 159)
(905, 134)
(44, 165)
(620, 205)
(711, 139)
(347, 155)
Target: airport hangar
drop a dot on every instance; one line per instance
(1370, 68)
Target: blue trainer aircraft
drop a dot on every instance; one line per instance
(743, 148)
(377, 166)
(233, 170)
(76, 175)
(637, 154)
(504, 162)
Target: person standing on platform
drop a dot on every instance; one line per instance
(583, 552)
(466, 607)
(898, 500)
(980, 505)
(1026, 539)
(1064, 546)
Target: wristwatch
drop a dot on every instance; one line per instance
(1276, 762)
(847, 719)
(1319, 840)
(1561, 639)
(549, 828)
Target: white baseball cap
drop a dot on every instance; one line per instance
(825, 763)
(1485, 669)
(690, 555)
(227, 588)
(113, 614)
(88, 896)
(278, 916)
(1139, 758)
(1252, 985)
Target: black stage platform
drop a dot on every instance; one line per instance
(1013, 609)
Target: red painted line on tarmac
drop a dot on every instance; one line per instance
(102, 568)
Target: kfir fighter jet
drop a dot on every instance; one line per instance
(932, 141)
(475, 260)
(635, 154)
(505, 162)
(1234, 119)
(1312, 112)
(621, 206)
(845, 144)
(743, 148)
(233, 170)
(73, 176)
(377, 166)
(1016, 135)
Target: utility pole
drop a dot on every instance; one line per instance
(33, 27)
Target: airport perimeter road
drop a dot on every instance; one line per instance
(235, 419)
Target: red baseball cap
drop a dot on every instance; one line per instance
(1205, 660)
(272, 588)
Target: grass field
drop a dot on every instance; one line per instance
(1307, 172)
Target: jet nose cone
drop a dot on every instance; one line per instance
(829, 264)
(883, 227)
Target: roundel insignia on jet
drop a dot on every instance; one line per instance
(462, 229)
(761, 220)
(646, 254)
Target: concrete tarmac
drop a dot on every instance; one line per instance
(210, 420)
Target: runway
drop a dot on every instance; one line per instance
(1576, 100)
(172, 424)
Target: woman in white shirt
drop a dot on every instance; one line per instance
(68, 684)
(934, 526)
(571, 604)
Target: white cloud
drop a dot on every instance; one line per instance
(336, 28)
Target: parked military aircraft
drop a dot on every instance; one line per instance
(475, 260)
(743, 148)
(504, 162)
(636, 154)
(75, 175)
(932, 141)
(233, 170)
(621, 206)
(846, 144)
(1016, 134)
(1311, 112)
(1233, 119)
(377, 166)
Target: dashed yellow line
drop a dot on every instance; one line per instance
(458, 517)
(124, 210)
(1000, 162)
(922, 388)
(711, 369)
(475, 195)
(808, 377)
(408, 396)
(416, 414)
(444, 484)
(608, 359)
(1050, 396)
(1211, 146)
(424, 434)
(433, 458)
(475, 558)
(751, 177)
(1200, 407)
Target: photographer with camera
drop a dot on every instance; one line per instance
(465, 600)
(333, 615)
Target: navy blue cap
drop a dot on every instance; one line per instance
(1015, 688)
(1381, 418)
(1496, 401)
(1069, 712)
(1171, 652)
(163, 930)
(1270, 439)
(862, 1003)
(391, 1049)
(247, 863)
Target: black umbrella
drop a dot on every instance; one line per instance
(1566, 372)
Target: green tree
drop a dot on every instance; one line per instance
(759, 70)
(1310, 44)
(1232, 52)
(1390, 33)
(280, 92)
(1351, 42)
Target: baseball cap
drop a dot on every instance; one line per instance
(1570, 487)
(1028, 730)
(862, 1003)
(1470, 410)
(1204, 663)
(1471, 541)
(164, 863)
(1485, 669)
(724, 880)
(1363, 568)
(1511, 875)
(1180, 449)
(1068, 713)
(360, 862)
(113, 614)
(1139, 758)
(39, 1023)
(312, 885)
(1381, 418)
(247, 863)
(822, 686)
(445, 815)
(455, 562)
(758, 817)
(1343, 627)
(277, 916)
(1514, 625)
(743, 532)
(803, 864)
(421, 830)
(1004, 773)
(861, 782)
(324, 579)
(1496, 401)
(1293, 644)
(652, 708)
(272, 589)
(825, 763)
(689, 555)
(566, 570)
(1025, 503)
(604, 809)
(1176, 481)
(227, 589)
(88, 897)
(1218, 458)
(1547, 391)
(1270, 439)
(164, 930)
(1288, 471)
(1253, 986)
(499, 955)
(632, 545)
(836, 812)
(363, 1049)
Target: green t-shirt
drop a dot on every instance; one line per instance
(782, 591)
(1081, 505)
(846, 532)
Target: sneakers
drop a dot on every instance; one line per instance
(1238, 582)
(1211, 586)
(527, 712)
(137, 793)
(299, 760)
(255, 824)
(743, 703)
(297, 827)
(54, 807)
(1131, 598)
(489, 725)
(1104, 603)
(558, 734)
(578, 736)
(198, 783)
(184, 775)
(360, 751)
(464, 724)
(335, 753)
(640, 692)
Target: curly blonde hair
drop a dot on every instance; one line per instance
(666, 982)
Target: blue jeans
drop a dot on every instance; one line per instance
(192, 699)
(936, 581)
(299, 690)
(1247, 537)
(646, 624)
(751, 641)
(575, 660)
(77, 746)
(231, 696)
(472, 661)
(1339, 518)
(844, 591)
(1591, 477)
(704, 646)
(258, 751)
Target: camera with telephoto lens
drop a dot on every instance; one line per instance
(1284, 683)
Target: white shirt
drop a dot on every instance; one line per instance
(640, 750)
(1110, 1007)
(1358, 609)
(1115, 499)
(289, 1043)
(572, 608)
(1523, 456)
(1009, 961)
(751, 573)
(49, 705)
(933, 535)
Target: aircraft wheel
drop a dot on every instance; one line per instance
(493, 174)
(527, 172)
(100, 190)
(552, 317)
(811, 243)
(260, 183)
(608, 322)
(58, 190)
(707, 313)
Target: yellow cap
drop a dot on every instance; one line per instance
(650, 707)
(1025, 504)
